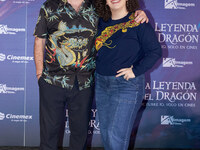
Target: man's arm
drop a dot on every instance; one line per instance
(39, 55)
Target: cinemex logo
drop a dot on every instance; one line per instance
(2, 57)
(23, 1)
(2, 116)
(173, 4)
(171, 62)
(170, 120)
(16, 59)
(16, 118)
(9, 90)
(4, 29)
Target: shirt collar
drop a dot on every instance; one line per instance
(66, 1)
(63, 2)
(85, 4)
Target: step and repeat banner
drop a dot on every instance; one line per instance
(170, 114)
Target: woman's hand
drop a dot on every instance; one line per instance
(127, 72)
(141, 16)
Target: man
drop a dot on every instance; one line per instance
(65, 31)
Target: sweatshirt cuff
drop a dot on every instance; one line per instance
(136, 72)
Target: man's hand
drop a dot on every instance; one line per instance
(38, 76)
(141, 16)
(127, 72)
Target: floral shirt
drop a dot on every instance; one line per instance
(70, 50)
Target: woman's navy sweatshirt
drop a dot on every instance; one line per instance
(124, 43)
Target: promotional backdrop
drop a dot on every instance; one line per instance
(170, 114)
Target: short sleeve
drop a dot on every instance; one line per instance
(41, 25)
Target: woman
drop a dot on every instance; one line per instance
(126, 50)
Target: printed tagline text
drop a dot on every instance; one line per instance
(171, 94)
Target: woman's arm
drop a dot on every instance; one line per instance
(150, 46)
(152, 52)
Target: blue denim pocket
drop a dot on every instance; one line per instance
(132, 82)
(130, 89)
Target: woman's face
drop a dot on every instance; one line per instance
(116, 4)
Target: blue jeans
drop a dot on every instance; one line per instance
(117, 102)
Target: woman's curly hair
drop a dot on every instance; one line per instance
(103, 9)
